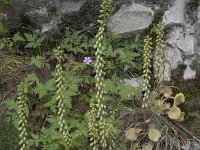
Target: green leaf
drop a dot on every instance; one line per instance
(125, 91)
(31, 78)
(30, 37)
(18, 38)
(38, 61)
(50, 85)
(40, 90)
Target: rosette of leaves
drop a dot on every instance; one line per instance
(146, 70)
(60, 97)
(23, 115)
(173, 112)
(101, 130)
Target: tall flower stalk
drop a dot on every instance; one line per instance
(23, 115)
(160, 54)
(60, 97)
(100, 130)
(146, 70)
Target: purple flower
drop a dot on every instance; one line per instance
(87, 60)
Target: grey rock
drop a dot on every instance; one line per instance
(129, 19)
(51, 25)
(135, 82)
(189, 73)
(182, 39)
(42, 15)
(38, 16)
(70, 6)
(175, 14)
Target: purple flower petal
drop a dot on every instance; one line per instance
(87, 60)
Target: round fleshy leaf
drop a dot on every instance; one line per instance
(162, 106)
(154, 135)
(179, 98)
(174, 113)
(131, 134)
(181, 118)
(151, 126)
(167, 91)
(148, 146)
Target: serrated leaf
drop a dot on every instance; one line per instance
(154, 135)
(40, 90)
(38, 61)
(31, 78)
(18, 38)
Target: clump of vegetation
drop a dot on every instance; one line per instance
(74, 97)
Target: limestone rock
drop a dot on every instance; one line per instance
(175, 14)
(129, 19)
(189, 73)
(134, 82)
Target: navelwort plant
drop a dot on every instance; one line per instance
(101, 132)
(146, 70)
(23, 115)
(60, 97)
(160, 54)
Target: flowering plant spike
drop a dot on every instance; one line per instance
(100, 130)
(160, 54)
(60, 97)
(146, 70)
(23, 115)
